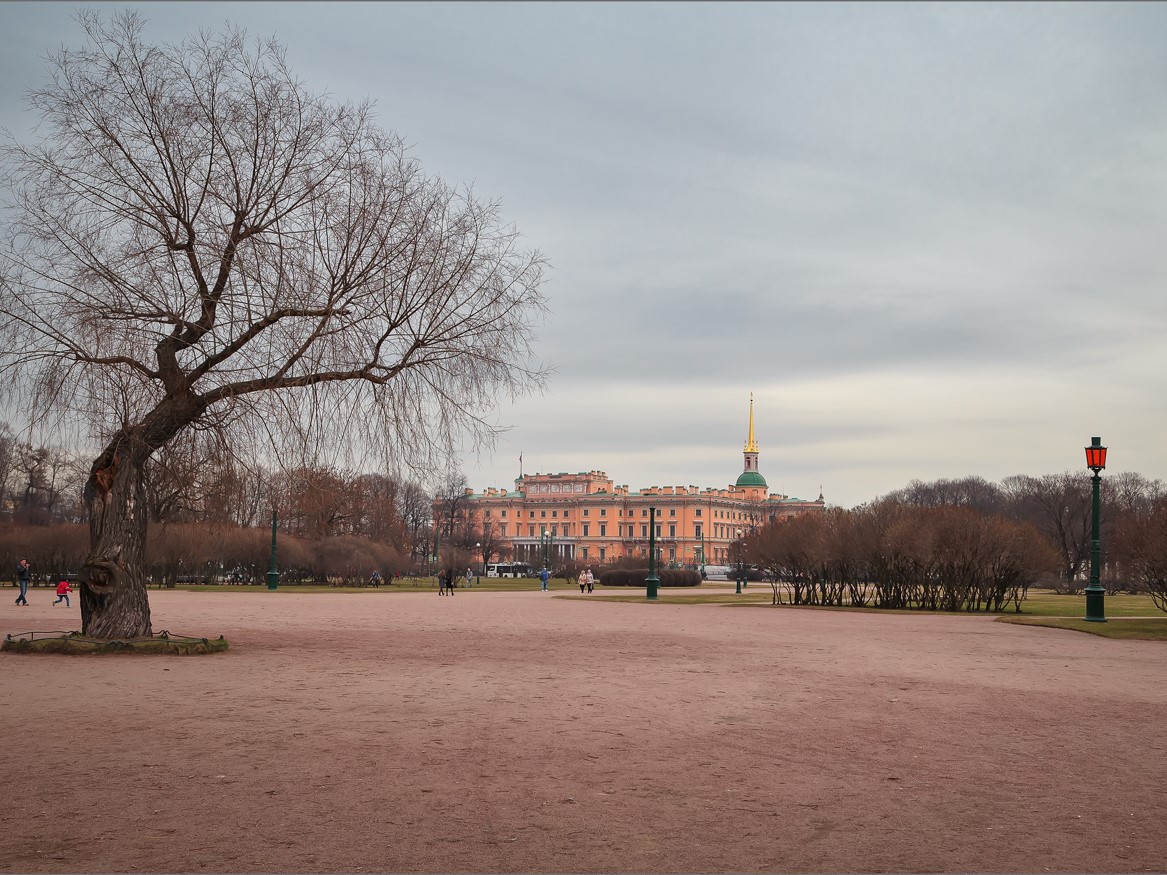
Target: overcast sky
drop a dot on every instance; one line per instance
(930, 238)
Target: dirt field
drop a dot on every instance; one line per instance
(524, 732)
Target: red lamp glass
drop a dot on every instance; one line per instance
(1096, 455)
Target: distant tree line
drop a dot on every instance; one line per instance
(210, 516)
(968, 544)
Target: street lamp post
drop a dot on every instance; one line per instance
(1095, 594)
(478, 547)
(652, 580)
(702, 552)
(273, 573)
(739, 575)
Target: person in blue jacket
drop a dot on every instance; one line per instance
(22, 579)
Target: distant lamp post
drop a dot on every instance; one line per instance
(273, 573)
(652, 582)
(478, 547)
(702, 553)
(543, 539)
(740, 568)
(1095, 461)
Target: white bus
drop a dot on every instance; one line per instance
(516, 569)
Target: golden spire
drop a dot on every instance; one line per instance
(751, 444)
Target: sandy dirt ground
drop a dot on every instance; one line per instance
(525, 732)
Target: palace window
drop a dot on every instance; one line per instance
(585, 529)
(672, 531)
(603, 511)
(644, 531)
(672, 511)
(603, 530)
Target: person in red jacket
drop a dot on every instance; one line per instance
(63, 590)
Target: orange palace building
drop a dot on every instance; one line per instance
(587, 519)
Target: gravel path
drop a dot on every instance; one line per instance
(525, 732)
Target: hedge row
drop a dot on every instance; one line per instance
(637, 576)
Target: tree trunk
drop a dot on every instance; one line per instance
(113, 595)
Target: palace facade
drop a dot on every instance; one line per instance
(587, 518)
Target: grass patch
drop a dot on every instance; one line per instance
(1044, 603)
(668, 598)
(408, 584)
(1141, 628)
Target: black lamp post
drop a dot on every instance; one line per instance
(1095, 594)
(273, 573)
(652, 581)
(702, 552)
(740, 570)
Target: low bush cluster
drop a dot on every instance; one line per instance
(637, 576)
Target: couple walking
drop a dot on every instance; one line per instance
(586, 580)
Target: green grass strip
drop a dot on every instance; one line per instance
(1137, 629)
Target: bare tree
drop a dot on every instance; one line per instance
(29, 464)
(200, 241)
(415, 508)
(449, 507)
(1059, 506)
(7, 461)
(489, 541)
(1142, 546)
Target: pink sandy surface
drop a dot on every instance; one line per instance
(524, 732)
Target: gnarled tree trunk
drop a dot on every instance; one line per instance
(114, 603)
(113, 594)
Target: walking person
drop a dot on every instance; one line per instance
(63, 590)
(591, 580)
(22, 579)
(442, 582)
(469, 578)
(544, 577)
(583, 580)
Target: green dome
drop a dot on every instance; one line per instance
(751, 478)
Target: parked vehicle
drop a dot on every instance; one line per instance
(517, 569)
